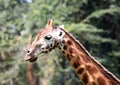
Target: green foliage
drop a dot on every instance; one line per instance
(95, 24)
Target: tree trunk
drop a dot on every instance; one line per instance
(30, 73)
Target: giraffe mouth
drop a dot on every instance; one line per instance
(33, 59)
(30, 58)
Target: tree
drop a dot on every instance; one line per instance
(95, 24)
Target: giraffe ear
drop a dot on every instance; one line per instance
(61, 26)
(49, 24)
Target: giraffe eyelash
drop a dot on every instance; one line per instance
(60, 34)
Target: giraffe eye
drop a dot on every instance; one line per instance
(48, 37)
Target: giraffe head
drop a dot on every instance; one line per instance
(46, 40)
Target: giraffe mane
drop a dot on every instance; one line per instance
(103, 70)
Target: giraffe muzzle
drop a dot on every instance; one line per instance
(30, 58)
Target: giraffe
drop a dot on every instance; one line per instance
(89, 70)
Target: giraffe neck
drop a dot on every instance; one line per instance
(86, 67)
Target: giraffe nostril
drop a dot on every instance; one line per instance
(28, 51)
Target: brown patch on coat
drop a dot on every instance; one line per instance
(86, 58)
(69, 42)
(113, 83)
(101, 81)
(91, 69)
(79, 61)
(72, 50)
(93, 83)
(75, 64)
(65, 47)
(85, 78)
(80, 70)
(68, 57)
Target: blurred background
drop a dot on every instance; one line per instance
(95, 23)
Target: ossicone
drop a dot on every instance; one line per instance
(49, 23)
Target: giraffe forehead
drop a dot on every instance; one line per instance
(42, 33)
